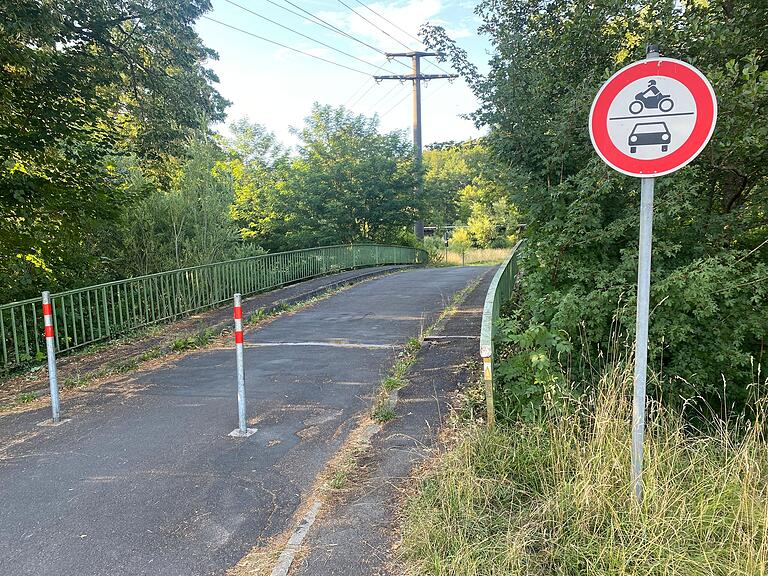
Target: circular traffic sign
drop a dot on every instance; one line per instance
(653, 117)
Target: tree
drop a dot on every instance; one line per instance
(348, 183)
(188, 223)
(463, 184)
(259, 166)
(80, 82)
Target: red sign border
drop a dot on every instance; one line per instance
(706, 117)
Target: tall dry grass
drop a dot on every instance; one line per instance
(475, 256)
(554, 498)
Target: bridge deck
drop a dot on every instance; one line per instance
(144, 480)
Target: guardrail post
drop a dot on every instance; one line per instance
(50, 346)
(488, 381)
(242, 430)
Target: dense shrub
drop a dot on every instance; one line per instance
(709, 296)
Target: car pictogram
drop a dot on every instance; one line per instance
(649, 134)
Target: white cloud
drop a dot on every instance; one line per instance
(408, 16)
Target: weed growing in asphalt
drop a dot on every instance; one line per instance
(339, 480)
(76, 381)
(124, 365)
(383, 409)
(199, 340)
(257, 316)
(26, 397)
(383, 412)
(151, 354)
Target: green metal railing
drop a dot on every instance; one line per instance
(499, 292)
(88, 315)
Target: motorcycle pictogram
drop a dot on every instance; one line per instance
(652, 97)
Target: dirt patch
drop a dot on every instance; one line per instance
(263, 558)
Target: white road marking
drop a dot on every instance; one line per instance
(325, 344)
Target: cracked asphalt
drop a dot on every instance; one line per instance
(144, 480)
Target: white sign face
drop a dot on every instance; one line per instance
(653, 117)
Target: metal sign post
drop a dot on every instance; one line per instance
(649, 119)
(641, 333)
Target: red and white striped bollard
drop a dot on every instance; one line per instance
(242, 430)
(50, 346)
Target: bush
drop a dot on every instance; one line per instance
(435, 247)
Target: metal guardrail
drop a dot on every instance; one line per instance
(499, 292)
(96, 313)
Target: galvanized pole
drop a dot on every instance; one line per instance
(488, 384)
(641, 331)
(242, 430)
(50, 346)
(641, 324)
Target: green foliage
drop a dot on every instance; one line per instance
(383, 413)
(199, 340)
(530, 375)
(26, 397)
(435, 247)
(709, 297)
(81, 82)
(348, 183)
(187, 224)
(461, 185)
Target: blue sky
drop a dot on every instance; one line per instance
(276, 87)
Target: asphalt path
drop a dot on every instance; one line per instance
(144, 480)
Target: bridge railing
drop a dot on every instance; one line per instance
(87, 315)
(499, 292)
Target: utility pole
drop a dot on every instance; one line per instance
(416, 77)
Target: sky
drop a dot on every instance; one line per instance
(276, 87)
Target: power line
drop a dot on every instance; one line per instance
(305, 36)
(285, 46)
(384, 97)
(335, 28)
(363, 95)
(403, 99)
(428, 95)
(387, 20)
(324, 23)
(372, 24)
(356, 92)
(315, 20)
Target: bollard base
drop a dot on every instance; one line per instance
(237, 433)
(51, 423)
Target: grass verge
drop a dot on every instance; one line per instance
(554, 497)
(472, 257)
